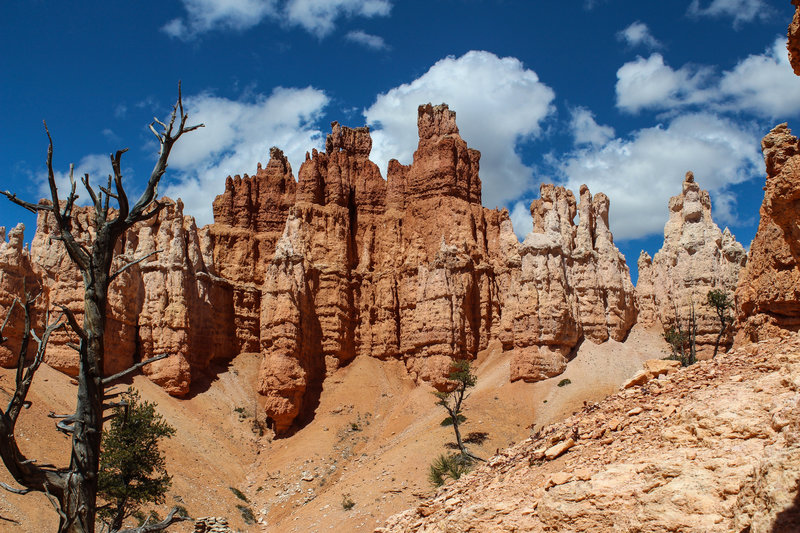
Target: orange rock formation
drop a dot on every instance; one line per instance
(412, 267)
(768, 296)
(696, 257)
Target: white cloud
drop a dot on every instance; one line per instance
(763, 84)
(521, 219)
(205, 15)
(318, 16)
(499, 104)
(740, 10)
(638, 34)
(375, 42)
(651, 84)
(315, 16)
(238, 135)
(585, 130)
(642, 172)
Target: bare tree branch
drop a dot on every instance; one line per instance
(8, 317)
(134, 368)
(33, 208)
(113, 276)
(12, 489)
(167, 140)
(171, 518)
(72, 321)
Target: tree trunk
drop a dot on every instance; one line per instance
(80, 497)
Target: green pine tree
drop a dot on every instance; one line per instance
(132, 470)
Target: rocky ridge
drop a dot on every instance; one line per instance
(413, 267)
(696, 257)
(712, 447)
(343, 263)
(768, 296)
(172, 302)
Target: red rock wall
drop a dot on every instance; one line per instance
(411, 267)
(170, 303)
(768, 294)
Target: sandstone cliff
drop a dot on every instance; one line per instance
(768, 295)
(411, 267)
(696, 257)
(343, 263)
(170, 303)
(794, 39)
(16, 281)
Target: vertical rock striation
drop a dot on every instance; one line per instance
(16, 280)
(768, 295)
(695, 258)
(170, 303)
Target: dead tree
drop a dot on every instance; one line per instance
(73, 489)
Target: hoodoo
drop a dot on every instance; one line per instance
(695, 258)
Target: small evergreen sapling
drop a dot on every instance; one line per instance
(132, 470)
(721, 302)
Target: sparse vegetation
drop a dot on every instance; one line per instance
(564, 382)
(721, 302)
(132, 467)
(683, 342)
(347, 502)
(455, 465)
(452, 465)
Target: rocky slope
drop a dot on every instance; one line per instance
(713, 447)
(696, 257)
(768, 295)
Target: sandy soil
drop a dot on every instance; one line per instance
(373, 436)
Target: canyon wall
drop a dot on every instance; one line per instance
(170, 303)
(411, 267)
(696, 257)
(768, 295)
(342, 263)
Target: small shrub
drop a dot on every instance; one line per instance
(564, 382)
(449, 420)
(453, 466)
(354, 426)
(347, 502)
(247, 514)
(239, 494)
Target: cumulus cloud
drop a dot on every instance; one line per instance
(739, 10)
(651, 84)
(638, 34)
(499, 104)
(318, 17)
(640, 173)
(206, 15)
(238, 135)
(586, 130)
(762, 84)
(374, 42)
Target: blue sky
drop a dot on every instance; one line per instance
(625, 96)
